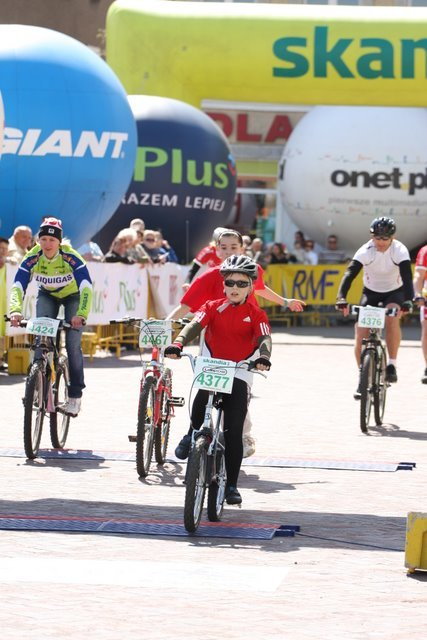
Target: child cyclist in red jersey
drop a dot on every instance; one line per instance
(208, 257)
(210, 286)
(236, 329)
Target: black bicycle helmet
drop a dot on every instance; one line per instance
(383, 227)
(239, 264)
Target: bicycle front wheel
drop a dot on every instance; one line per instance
(60, 422)
(380, 389)
(145, 428)
(195, 487)
(216, 490)
(162, 430)
(34, 410)
(367, 379)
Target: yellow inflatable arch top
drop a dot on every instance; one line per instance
(270, 53)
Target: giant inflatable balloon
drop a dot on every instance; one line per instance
(184, 180)
(344, 166)
(1, 123)
(70, 140)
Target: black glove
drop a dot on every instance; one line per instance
(174, 349)
(261, 360)
(341, 304)
(407, 306)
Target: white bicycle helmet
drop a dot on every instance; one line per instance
(240, 264)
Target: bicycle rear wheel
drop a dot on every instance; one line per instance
(34, 410)
(161, 436)
(145, 428)
(380, 388)
(195, 487)
(367, 379)
(216, 490)
(60, 422)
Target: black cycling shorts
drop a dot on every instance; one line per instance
(382, 298)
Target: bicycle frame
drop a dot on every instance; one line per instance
(372, 382)
(42, 387)
(156, 368)
(213, 431)
(156, 403)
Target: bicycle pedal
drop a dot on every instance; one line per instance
(132, 438)
(176, 401)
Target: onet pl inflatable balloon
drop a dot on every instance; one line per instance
(185, 177)
(70, 141)
(344, 166)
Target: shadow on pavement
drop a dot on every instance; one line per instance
(256, 482)
(71, 466)
(318, 530)
(387, 429)
(7, 380)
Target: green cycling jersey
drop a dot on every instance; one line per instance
(63, 275)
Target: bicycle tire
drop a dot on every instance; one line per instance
(34, 410)
(145, 427)
(216, 490)
(161, 435)
(367, 373)
(60, 422)
(380, 388)
(195, 487)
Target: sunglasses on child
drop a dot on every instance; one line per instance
(240, 284)
(384, 238)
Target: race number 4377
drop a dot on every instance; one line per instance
(214, 374)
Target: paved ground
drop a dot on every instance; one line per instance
(343, 576)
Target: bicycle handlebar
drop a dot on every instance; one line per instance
(392, 311)
(243, 364)
(62, 324)
(129, 320)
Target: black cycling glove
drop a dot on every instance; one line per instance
(174, 349)
(261, 360)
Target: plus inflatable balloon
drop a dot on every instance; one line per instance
(185, 176)
(70, 138)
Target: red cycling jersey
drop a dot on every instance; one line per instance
(232, 330)
(210, 286)
(208, 256)
(421, 260)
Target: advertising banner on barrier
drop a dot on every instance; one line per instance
(166, 286)
(316, 285)
(118, 290)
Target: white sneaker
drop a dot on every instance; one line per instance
(248, 446)
(73, 406)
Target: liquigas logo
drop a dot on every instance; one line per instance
(63, 142)
(193, 172)
(381, 180)
(348, 57)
